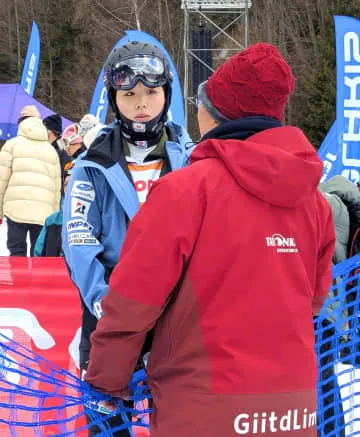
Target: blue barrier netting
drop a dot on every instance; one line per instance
(338, 350)
(38, 398)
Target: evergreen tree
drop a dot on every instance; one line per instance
(319, 87)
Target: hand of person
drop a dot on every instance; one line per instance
(103, 407)
(107, 407)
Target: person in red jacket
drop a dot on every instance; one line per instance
(230, 273)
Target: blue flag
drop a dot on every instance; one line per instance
(99, 103)
(341, 148)
(31, 65)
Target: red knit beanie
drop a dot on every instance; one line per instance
(256, 81)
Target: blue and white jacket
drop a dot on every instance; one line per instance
(99, 202)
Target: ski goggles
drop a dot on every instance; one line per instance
(149, 69)
(70, 136)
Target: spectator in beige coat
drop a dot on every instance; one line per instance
(30, 181)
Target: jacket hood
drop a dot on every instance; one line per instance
(33, 129)
(342, 187)
(279, 165)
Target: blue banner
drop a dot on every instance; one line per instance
(31, 65)
(341, 148)
(99, 103)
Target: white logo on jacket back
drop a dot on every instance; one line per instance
(282, 244)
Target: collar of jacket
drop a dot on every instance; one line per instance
(106, 151)
(241, 129)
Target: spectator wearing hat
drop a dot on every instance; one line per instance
(230, 273)
(73, 142)
(53, 124)
(30, 181)
(49, 241)
(88, 128)
(92, 134)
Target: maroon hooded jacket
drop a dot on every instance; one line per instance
(228, 260)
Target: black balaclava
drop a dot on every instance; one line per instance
(145, 134)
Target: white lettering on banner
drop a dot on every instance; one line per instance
(79, 207)
(349, 161)
(30, 73)
(352, 84)
(348, 53)
(351, 174)
(25, 320)
(74, 348)
(330, 158)
(102, 100)
(264, 422)
(351, 133)
(83, 189)
(78, 225)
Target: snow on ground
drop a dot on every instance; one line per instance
(3, 239)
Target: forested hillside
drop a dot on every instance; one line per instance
(76, 36)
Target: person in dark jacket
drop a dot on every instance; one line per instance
(53, 124)
(49, 241)
(229, 274)
(73, 142)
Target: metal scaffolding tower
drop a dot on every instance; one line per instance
(217, 18)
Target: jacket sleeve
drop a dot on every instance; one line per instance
(81, 241)
(342, 226)
(6, 159)
(325, 255)
(342, 187)
(40, 241)
(159, 242)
